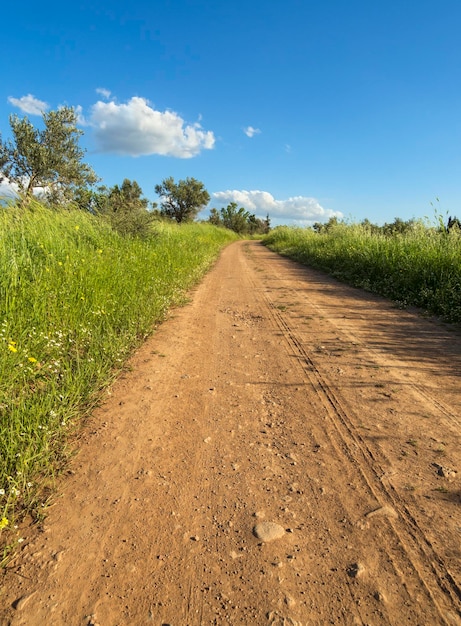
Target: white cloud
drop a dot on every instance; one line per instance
(251, 132)
(7, 189)
(298, 209)
(80, 116)
(136, 129)
(29, 104)
(10, 190)
(105, 93)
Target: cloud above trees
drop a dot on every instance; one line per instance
(299, 209)
(135, 128)
(29, 104)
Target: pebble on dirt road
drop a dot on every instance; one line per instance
(268, 531)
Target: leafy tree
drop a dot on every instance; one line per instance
(325, 228)
(183, 200)
(239, 220)
(49, 159)
(215, 218)
(124, 207)
(256, 226)
(453, 223)
(128, 197)
(398, 227)
(370, 227)
(91, 199)
(3, 159)
(235, 219)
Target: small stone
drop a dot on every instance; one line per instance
(21, 602)
(268, 531)
(355, 570)
(446, 472)
(275, 619)
(57, 556)
(385, 511)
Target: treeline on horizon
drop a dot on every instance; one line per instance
(47, 163)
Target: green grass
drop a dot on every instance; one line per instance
(421, 267)
(75, 299)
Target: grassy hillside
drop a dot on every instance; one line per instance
(75, 299)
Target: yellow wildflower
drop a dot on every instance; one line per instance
(12, 348)
(3, 523)
(32, 360)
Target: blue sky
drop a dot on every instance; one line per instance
(303, 109)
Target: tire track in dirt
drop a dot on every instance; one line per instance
(366, 464)
(427, 564)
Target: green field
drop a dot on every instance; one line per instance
(75, 299)
(420, 267)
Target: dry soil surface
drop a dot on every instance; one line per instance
(284, 450)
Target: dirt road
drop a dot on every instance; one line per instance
(284, 451)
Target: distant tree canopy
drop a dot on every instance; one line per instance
(319, 227)
(397, 227)
(239, 220)
(128, 198)
(453, 223)
(181, 201)
(124, 207)
(47, 160)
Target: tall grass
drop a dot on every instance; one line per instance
(421, 267)
(75, 298)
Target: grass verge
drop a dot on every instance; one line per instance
(421, 267)
(75, 299)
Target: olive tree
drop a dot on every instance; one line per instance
(49, 160)
(183, 200)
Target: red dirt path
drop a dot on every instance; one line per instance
(277, 395)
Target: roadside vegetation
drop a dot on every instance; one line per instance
(86, 272)
(411, 262)
(76, 297)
